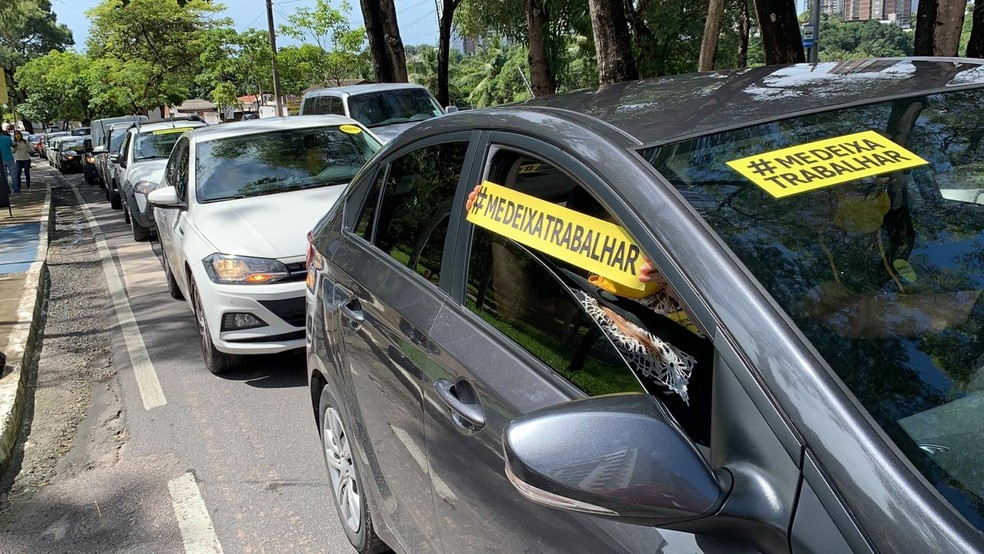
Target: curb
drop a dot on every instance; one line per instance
(21, 347)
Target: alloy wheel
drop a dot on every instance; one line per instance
(341, 470)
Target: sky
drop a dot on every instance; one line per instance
(417, 19)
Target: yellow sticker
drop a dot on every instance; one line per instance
(171, 130)
(350, 129)
(905, 270)
(587, 242)
(825, 163)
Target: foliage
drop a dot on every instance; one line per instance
(862, 39)
(58, 87)
(339, 51)
(158, 43)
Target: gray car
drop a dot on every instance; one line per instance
(722, 312)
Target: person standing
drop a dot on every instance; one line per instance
(7, 157)
(22, 161)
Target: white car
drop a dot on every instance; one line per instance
(233, 212)
(142, 158)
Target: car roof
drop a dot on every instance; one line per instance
(169, 124)
(350, 90)
(269, 124)
(665, 109)
(651, 112)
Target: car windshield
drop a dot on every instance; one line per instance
(280, 161)
(157, 144)
(72, 143)
(393, 106)
(883, 274)
(116, 139)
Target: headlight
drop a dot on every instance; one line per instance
(90, 159)
(144, 187)
(241, 270)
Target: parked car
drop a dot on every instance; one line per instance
(386, 108)
(51, 151)
(81, 131)
(35, 141)
(100, 127)
(106, 168)
(142, 158)
(89, 162)
(675, 315)
(70, 153)
(39, 147)
(233, 209)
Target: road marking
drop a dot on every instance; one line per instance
(143, 369)
(194, 522)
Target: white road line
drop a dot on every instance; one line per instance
(193, 519)
(143, 369)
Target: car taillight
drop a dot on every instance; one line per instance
(312, 262)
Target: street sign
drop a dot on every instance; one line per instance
(809, 35)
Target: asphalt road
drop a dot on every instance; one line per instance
(214, 463)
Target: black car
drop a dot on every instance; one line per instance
(71, 153)
(730, 311)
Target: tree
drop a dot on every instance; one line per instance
(538, 21)
(867, 39)
(780, 31)
(611, 40)
(975, 45)
(443, 50)
(153, 47)
(388, 57)
(57, 86)
(338, 48)
(938, 26)
(712, 29)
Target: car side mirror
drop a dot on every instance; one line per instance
(114, 158)
(101, 149)
(450, 109)
(166, 197)
(618, 456)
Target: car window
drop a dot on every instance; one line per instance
(564, 316)
(280, 160)
(335, 106)
(884, 273)
(363, 226)
(393, 106)
(412, 222)
(125, 146)
(157, 144)
(181, 170)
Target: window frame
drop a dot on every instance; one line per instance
(357, 199)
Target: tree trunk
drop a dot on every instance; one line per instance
(389, 60)
(538, 20)
(712, 30)
(938, 26)
(611, 38)
(444, 52)
(744, 29)
(975, 46)
(780, 31)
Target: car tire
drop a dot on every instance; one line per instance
(115, 201)
(140, 233)
(346, 485)
(126, 211)
(215, 360)
(172, 283)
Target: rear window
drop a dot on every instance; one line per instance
(390, 107)
(159, 143)
(884, 273)
(280, 161)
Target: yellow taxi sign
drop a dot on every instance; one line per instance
(595, 245)
(824, 163)
(171, 130)
(350, 129)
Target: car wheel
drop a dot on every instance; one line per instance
(114, 200)
(215, 360)
(140, 233)
(346, 485)
(126, 211)
(172, 283)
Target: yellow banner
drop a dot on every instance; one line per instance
(825, 163)
(171, 130)
(597, 246)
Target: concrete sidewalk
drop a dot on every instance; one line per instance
(23, 279)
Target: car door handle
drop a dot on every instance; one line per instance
(349, 306)
(466, 411)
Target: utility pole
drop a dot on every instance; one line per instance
(273, 47)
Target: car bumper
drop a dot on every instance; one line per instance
(280, 306)
(142, 211)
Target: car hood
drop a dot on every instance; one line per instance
(269, 226)
(386, 133)
(149, 170)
